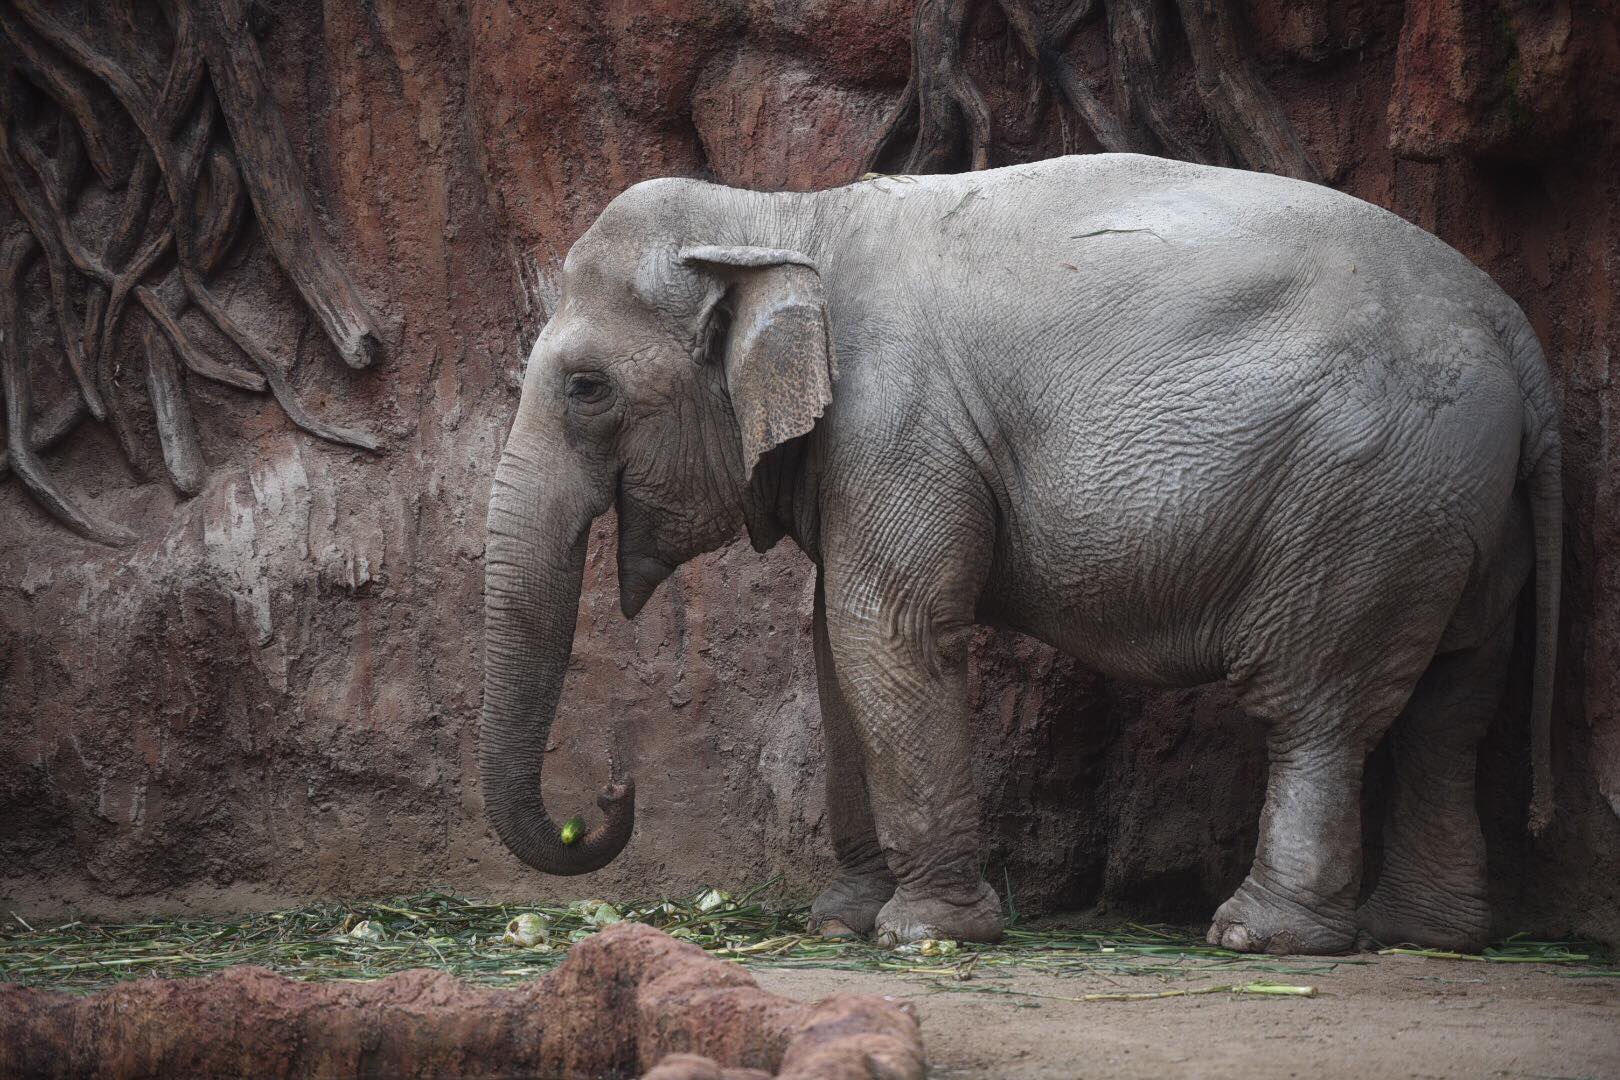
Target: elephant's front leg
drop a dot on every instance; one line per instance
(901, 665)
(864, 883)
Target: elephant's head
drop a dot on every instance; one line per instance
(679, 356)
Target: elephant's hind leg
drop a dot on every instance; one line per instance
(1328, 698)
(1431, 890)
(850, 903)
(1299, 896)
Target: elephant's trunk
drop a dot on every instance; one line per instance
(533, 565)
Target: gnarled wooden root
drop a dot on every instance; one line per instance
(177, 431)
(940, 105)
(1136, 43)
(283, 391)
(52, 428)
(24, 457)
(279, 196)
(1044, 47)
(49, 243)
(1249, 116)
(186, 156)
(941, 113)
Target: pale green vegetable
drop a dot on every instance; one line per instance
(604, 915)
(710, 899)
(526, 931)
(572, 830)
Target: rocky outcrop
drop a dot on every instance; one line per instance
(273, 692)
(628, 1001)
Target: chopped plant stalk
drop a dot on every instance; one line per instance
(1232, 988)
(1510, 952)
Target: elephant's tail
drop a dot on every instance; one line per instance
(1547, 509)
(1541, 467)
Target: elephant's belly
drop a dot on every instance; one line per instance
(1154, 648)
(1141, 580)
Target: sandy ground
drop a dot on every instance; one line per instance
(1395, 1017)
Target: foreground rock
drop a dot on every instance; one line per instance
(629, 1001)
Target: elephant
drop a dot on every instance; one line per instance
(1185, 423)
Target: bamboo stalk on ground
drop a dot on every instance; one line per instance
(1275, 989)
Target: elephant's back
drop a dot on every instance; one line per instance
(1193, 202)
(1123, 287)
(1124, 267)
(1199, 215)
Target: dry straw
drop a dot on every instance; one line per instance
(506, 943)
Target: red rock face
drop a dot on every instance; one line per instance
(274, 693)
(1488, 80)
(629, 1001)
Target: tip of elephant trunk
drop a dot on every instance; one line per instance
(618, 800)
(601, 845)
(530, 833)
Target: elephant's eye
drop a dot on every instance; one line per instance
(587, 389)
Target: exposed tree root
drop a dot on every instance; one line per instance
(267, 160)
(272, 373)
(941, 104)
(57, 424)
(208, 144)
(941, 122)
(1137, 33)
(177, 431)
(15, 251)
(73, 94)
(49, 243)
(1250, 118)
(195, 359)
(1045, 46)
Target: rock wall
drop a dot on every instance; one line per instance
(628, 1001)
(273, 693)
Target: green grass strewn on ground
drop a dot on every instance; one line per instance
(500, 944)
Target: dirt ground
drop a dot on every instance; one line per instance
(1394, 1017)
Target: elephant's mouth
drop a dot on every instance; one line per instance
(641, 568)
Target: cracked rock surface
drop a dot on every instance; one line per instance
(630, 1001)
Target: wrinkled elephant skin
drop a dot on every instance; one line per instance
(1182, 422)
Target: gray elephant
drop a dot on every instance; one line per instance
(1184, 423)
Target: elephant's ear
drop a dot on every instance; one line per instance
(778, 352)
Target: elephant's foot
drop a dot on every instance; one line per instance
(849, 905)
(1257, 919)
(1423, 912)
(909, 917)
